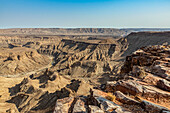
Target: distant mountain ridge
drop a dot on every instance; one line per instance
(76, 31)
(63, 31)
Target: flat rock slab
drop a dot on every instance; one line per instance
(109, 106)
(125, 99)
(152, 108)
(164, 84)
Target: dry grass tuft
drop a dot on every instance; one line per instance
(111, 97)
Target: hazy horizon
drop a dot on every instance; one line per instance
(81, 27)
(84, 14)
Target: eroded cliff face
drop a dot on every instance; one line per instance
(20, 60)
(142, 39)
(100, 55)
(77, 57)
(80, 58)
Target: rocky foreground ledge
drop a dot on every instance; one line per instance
(93, 103)
(143, 86)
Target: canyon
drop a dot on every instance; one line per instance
(84, 70)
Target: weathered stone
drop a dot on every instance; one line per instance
(97, 92)
(91, 99)
(165, 111)
(109, 106)
(79, 106)
(164, 84)
(125, 99)
(163, 63)
(63, 105)
(154, 62)
(138, 72)
(151, 79)
(106, 105)
(151, 107)
(110, 86)
(155, 94)
(95, 109)
(120, 110)
(138, 88)
(129, 86)
(161, 71)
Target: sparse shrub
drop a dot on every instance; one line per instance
(110, 97)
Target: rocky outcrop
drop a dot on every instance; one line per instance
(164, 84)
(125, 99)
(152, 108)
(145, 76)
(89, 104)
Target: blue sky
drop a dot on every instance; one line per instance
(85, 13)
